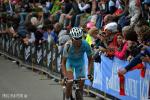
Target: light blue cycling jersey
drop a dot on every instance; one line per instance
(75, 58)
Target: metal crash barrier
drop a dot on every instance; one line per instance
(46, 57)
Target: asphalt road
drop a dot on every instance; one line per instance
(19, 83)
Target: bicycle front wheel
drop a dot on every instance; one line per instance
(64, 92)
(79, 95)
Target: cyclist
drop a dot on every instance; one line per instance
(73, 59)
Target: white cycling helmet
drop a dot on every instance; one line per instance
(76, 33)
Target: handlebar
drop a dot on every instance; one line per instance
(81, 79)
(75, 80)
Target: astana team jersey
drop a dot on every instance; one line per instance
(76, 57)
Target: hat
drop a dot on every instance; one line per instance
(112, 27)
(90, 25)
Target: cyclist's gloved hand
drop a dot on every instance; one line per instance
(65, 79)
(90, 77)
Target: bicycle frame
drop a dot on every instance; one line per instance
(75, 87)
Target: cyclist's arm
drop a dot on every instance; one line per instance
(64, 66)
(64, 58)
(90, 64)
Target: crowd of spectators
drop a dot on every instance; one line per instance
(119, 28)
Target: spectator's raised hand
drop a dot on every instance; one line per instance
(146, 59)
(122, 71)
(129, 58)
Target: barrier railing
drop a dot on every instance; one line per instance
(106, 82)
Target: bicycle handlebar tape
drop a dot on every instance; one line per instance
(122, 82)
(64, 81)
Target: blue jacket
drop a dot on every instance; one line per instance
(53, 34)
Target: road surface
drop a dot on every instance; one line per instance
(19, 83)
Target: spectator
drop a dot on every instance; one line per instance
(108, 18)
(56, 6)
(102, 10)
(85, 7)
(66, 9)
(47, 34)
(134, 9)
(132, 43)
(120, 51)
(48, 5)
(38, 36)
(136, 63)
(31, 37)
(92, 36)
(55, 32)
(110, 33)
(112, 6)
(75, 11)
(146, 9)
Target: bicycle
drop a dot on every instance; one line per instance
(77, 94)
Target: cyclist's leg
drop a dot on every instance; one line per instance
(69, 70)
(80, 73)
